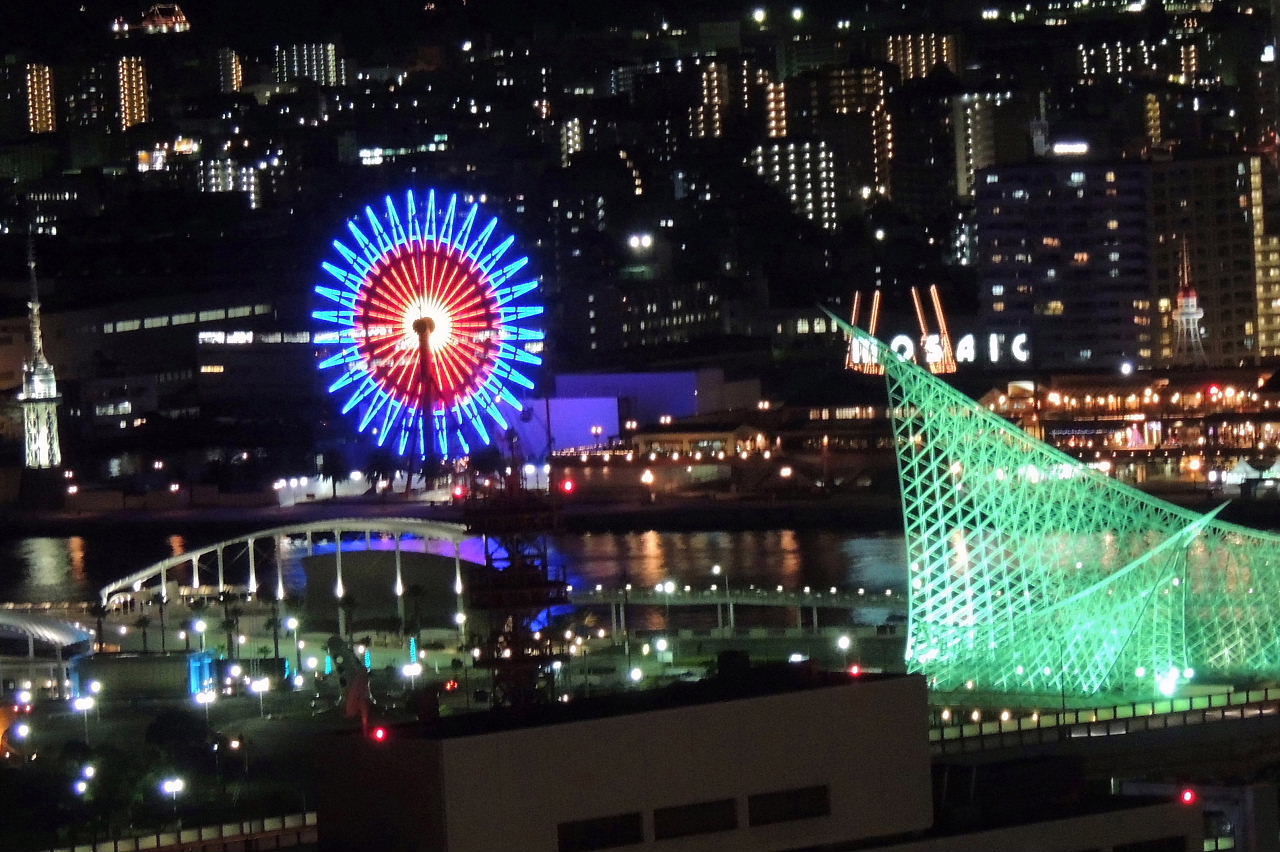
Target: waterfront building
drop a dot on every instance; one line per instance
(1086, 257)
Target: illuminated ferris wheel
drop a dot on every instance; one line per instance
(429, 313)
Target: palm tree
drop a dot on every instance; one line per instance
(274, 624)
(333, 464)
(98, 611)
(348, 605)
(197, 607)
(415, 592)
(142, 624)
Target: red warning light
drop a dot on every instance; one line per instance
(1188, 796)
(855, 670)
(458, 491)
(450, 685)
(380, 734)
(567, 486)
(1214, 390)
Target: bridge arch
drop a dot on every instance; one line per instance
(213, 561)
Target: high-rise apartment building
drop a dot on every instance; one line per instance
(973, 125)
(1087, 259)
(805, 172)
(135, 106)
(26, 98)
(730, 90)
(1214, 206)
(1062, 257)
(848, 108)
(41, 117)
(918, 53)
(319, 63)
(230, 71)
(1116, 60)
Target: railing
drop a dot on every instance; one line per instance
(282, 832)
(1105, 721)
(739, 597)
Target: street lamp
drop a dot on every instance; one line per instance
(292, 625)
(411, 671)
(718, 571)
(667, 588)
(205, 698)
(171, 787)
(200, 627)
(843, 644)
(84, 704)
(260, 687)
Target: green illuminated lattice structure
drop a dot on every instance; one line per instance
(1031, 573)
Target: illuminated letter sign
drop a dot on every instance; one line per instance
(904, 347)
(932, 349)
(1019, 348)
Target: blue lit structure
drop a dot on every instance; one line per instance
(426, 307)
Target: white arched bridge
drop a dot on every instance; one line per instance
(245, 564)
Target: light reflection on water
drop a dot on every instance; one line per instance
(63, 568)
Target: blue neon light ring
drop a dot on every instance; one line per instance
(432, 263)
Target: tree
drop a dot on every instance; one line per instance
(333, 464)
(274, 624)
(230, 622)
(142, 624)
(415, 593)
(379, 466)
(348, 605)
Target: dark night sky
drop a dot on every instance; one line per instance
(55, 28)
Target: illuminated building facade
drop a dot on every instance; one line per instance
(230, 71)
(570, 139)
(917, 54)
(227, 175)
(318, 62)
(1215, 205)
(135, 100)
(1087, 257)
(731, 89)
(41, 116)
(805, 172)
(1116, 60)
(847, 108)
(973, 118)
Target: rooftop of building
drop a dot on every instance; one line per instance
(736, 679)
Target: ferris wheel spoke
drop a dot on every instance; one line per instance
(426, 257)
